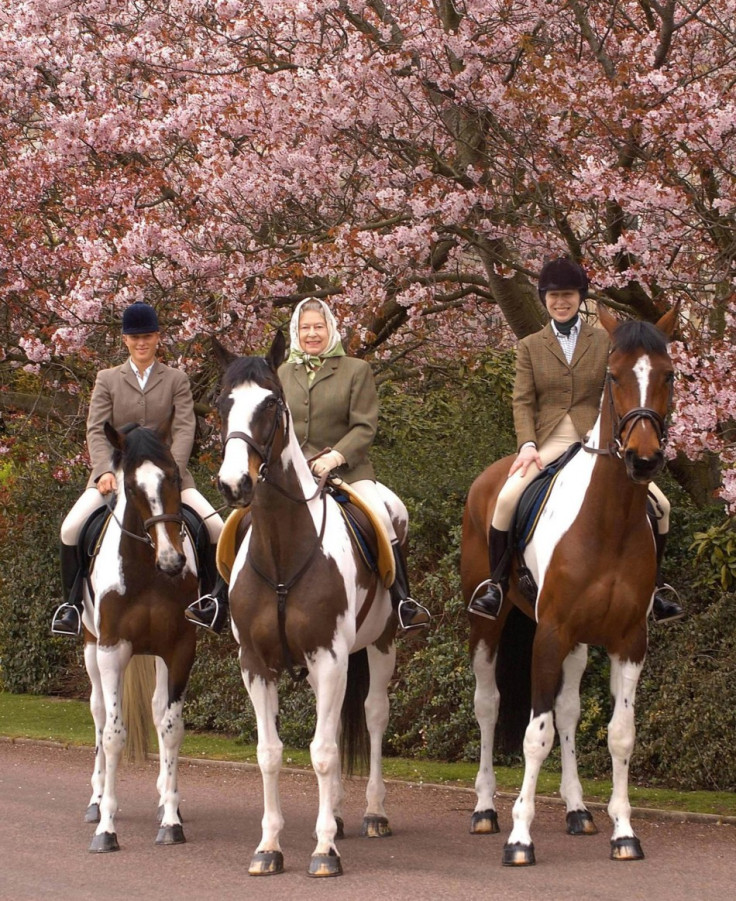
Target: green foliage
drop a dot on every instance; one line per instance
(715, 550)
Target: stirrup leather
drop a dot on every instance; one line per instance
(59, 614)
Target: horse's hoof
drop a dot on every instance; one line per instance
(339, 822)
(171, 835)
(103, 842)
(375, 827)
(484, 822)
(628, 848)
(518, 855)
(92, 814)
(580, 822)
(266, 863)
(325, 865)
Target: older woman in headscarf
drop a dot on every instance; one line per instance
(334, 404)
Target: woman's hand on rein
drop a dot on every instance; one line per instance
(327, 462)
(106, 483)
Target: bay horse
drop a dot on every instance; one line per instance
(143, 577)
(301, 595)
(592, 557)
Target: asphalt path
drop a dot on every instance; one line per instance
(44, 841)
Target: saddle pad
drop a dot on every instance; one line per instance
(229, 541)
(386, 564)
(535, 497)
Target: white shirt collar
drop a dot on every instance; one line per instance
(142, 379)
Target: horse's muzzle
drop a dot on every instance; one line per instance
(643, 469)
(172, 563)
(236, 494)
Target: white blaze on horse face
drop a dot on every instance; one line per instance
(149, 478)
(642, 371)
(245, 400)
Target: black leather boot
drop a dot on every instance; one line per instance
(487, 598)
(665, 606)
(210, 611)
(68, 616)
(412, 615)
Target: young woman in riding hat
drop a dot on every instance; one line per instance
(560, 373)
(145, 391)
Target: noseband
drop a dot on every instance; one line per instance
(622, 426)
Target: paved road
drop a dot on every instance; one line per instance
(43, 843)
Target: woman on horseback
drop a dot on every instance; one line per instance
(145, 391)
(560, 373)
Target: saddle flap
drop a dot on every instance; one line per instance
(385, 562)
(236, 525)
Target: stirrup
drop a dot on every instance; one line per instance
(213, 622)
(474, 603)
(409, 605)
(59, 614)
(671, 603)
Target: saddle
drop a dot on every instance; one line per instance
(528, 512)
(365, 528)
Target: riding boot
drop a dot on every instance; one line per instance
(488, 596)
(211, 609)
(412, 615)
(665, 605)
(68, 616)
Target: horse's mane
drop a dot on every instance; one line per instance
(633, 335)
(141, 444)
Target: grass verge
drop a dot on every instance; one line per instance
(70, 722)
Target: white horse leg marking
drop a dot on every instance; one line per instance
(264, 697)
(112, 662)
(621, 735)
(381, 667)
(97, 708)
(567, 717)
(486, 703)
(328, 678)
(538, 740)
(170, 736)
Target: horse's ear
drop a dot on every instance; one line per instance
(607, 319)
(113, 436)
(223, 356)
(666, 323)
(277, 351)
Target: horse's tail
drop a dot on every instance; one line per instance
(513, 677)
(354, 744)
(138, 687)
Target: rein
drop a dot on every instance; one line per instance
(629, 419)
(147, 523)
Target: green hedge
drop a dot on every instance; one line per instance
(433, 441)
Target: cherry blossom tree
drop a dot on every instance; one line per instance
(412, 161)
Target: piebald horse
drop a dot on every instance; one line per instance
(592, 557)
(143, 578)
(302, 596)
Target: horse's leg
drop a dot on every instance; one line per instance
(171, 735)
(158, 707)
(267, 859)
(111, 662)
(621, 734)
(381, 665)
(486, 701)
(328, 677)
(547, 659)
(567, 717)
(97, 708)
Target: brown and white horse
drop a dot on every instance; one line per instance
(143, 578)
(302, 596)
(593, 558)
